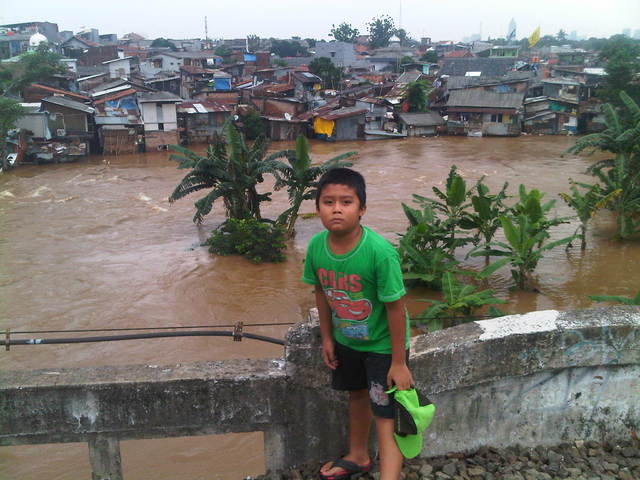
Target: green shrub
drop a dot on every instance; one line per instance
(258, 241)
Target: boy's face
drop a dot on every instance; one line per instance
(339, 209)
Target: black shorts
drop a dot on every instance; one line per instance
(364, 370)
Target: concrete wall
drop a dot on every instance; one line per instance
(535, 379)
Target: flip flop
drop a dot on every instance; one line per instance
(350, 468)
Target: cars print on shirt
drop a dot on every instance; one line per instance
(350, 316)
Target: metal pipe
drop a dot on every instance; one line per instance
(137, 336)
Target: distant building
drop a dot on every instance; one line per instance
(48, 29)
(341, 54)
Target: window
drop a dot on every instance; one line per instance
(496, 118)
(333, 54)
(161, 126)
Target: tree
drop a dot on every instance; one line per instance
(231, 170)
(311, 42)
(561, 35)
(36, 66)
(327, 71)
(253, 42)
(417, 96)
(621, 137)
(403, 36)
(10, 112)
(381, 29)
(299, 177)
(253, 125)
(344, 33)
(288, 48)
(430, 56)
(622, 65)
(222, 50)
(161, 42)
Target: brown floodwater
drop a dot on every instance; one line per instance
(95, 244)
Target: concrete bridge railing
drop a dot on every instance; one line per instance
(534, 379)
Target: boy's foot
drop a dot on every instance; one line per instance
(342, 468)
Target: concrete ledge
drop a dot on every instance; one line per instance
(540, 378)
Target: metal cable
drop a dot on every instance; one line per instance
(86, 330)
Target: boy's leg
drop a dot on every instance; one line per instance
(359, 424)
(390, 456)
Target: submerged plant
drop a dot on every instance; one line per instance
(460, 301)
(617, 299)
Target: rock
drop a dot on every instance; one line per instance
(554, 457)
(630, 452)
(473, 471)
(412, 476)
(625, 474)
(426, 470)
(592, 452)
(442, 475)
(574, 472)
(612, 467)
(450, 469)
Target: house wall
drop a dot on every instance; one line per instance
(37, 123)
(350, 128)
(118, 141)
(72, 121)
(413, 131)
(285, 130)
(201, 126)
(158, 139)
(121, 68)
(152, 118)
(276, 108)
(341, 54)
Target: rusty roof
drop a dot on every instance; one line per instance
(115, 96)
(207, 104)
(59, 91)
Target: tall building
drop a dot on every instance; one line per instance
(511, 31)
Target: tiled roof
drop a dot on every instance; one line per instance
(482, 99)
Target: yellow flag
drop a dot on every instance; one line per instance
(535, 37)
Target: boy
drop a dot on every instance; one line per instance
(363, 323)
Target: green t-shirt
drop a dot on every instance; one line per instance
(357, 285)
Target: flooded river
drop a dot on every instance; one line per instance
(96, 244)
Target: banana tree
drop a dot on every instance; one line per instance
(617, 299)
(487, 210)
(231, 170)
(586, 205)
(453, 203)
(621, 137)
(460, 301)
(523, 249)
(300, 177)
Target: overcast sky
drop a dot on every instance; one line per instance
(440, 20)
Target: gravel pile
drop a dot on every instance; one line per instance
(577, 461)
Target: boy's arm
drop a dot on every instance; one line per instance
(326, 329)
(399, 374)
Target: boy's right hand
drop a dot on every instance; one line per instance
(328, 354)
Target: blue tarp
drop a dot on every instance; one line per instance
(222, 83)
(249, 57)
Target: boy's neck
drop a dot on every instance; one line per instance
(344, 243)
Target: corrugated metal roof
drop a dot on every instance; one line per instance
(425, 119)
(158, 97)
(343, 113)
(482, 99)
(196, 106)
(65, 102)
(492, 67)
(59, 91)
(115, 96)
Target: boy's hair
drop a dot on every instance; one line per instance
(343, 176)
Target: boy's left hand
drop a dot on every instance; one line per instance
(400, 376)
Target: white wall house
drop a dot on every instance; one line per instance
(119, 67)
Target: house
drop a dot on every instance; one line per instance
(476, 112)
(306, 86)
(194, 79)
(564, 96)
(13, 44)
(341, 54)
(118, 122)
(198, 121)
(72, 123)
(119, 67)
(420, 124)
(165, 84)
(286, 127)
(159, 116)
(378, 118)
(342, 124)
